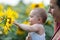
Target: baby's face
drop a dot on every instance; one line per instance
(33, 19)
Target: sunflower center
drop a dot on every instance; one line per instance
(9, 20)
(36, 5)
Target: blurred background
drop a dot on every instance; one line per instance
(18, 10)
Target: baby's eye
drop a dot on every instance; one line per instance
(51, 7)
(31, 16)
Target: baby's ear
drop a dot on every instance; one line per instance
(40, 19)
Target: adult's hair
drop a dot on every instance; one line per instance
(58, 3)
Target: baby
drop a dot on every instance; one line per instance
(36, 30)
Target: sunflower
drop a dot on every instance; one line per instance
(28, 11)
(5, 30)
(19, 32)
(11, 15)
(26, 22)
(34, 5)
(1, 15)
(39, 5)
(49, 22)
(1, 7)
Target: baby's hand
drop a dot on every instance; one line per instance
(28, 37)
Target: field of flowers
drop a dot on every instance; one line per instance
(20, 13)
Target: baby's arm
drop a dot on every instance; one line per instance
(22, 26)
(28, 28)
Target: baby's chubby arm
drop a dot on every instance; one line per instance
(32, 28)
